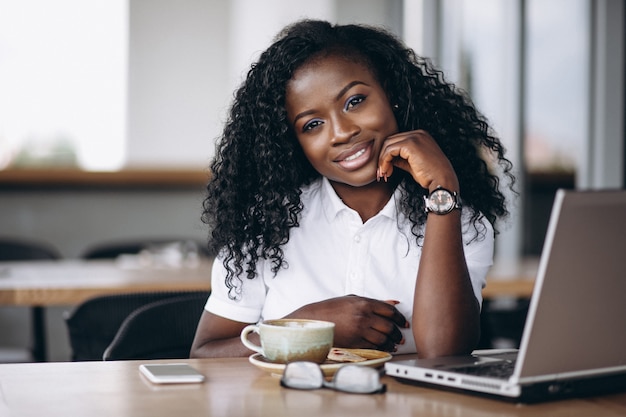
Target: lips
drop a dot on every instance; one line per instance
(356, 157)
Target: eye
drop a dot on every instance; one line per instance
(311, 125)
(354, 101)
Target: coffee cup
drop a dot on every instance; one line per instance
(289, 340)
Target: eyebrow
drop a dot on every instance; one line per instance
(337, 97)
(348, 87)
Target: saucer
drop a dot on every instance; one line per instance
(374, 358)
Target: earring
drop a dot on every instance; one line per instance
(395, 107)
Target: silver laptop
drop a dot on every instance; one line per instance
(574, 339)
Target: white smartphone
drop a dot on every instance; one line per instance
(171, 373)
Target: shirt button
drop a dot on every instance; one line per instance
(357, 238)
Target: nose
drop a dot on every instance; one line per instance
(343, 129)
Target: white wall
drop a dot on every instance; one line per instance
(187, 57)
(177, 77)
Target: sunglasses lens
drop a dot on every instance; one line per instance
(349, 378)
(358, 380)
(302, 375)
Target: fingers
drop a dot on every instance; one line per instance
(384, 336)
(386, 328)
(417, 153)
(362, 322)
(392, 313)
(389, 158)
(395, 153)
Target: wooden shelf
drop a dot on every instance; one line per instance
(127, 178)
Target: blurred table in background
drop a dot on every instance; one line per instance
(514, 278)
(70, 282)
(47, 283)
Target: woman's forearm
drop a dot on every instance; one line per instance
(446, 314)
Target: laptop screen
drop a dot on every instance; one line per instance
(576, 320)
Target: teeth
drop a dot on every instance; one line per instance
(355, 156)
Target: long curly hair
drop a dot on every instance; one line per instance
(253, 196)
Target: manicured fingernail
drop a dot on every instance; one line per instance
(378, 174)
(394, 302)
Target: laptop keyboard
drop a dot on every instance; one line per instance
(501, 370)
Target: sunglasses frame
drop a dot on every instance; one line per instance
(323, 383)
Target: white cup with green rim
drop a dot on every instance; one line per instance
(289, 340)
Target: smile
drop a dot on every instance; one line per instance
(357, 158)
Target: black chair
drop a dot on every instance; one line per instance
(18, 249)
(112, 249)
(163, 329)
(93, 324)
(486, 337)
(24, 250)
(502, 323)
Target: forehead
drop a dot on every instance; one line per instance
(328, 72)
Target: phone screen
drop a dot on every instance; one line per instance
(170, 373)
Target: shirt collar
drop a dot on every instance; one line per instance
(333, 205)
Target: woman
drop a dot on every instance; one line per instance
(351, 184)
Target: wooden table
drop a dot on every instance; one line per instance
(70, 282)
(234, 388)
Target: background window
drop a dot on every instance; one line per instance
(556, 81)
(557, 34)
(63, 83)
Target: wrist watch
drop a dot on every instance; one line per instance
(441, 201)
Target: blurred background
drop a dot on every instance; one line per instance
(109, 109)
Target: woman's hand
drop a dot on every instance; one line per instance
(359, 322)
(417, 153)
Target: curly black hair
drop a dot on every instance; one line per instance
(259, 169)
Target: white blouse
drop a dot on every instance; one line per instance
(333, 253)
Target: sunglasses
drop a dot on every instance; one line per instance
(354, 379)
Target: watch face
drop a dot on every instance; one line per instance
(441, 201)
